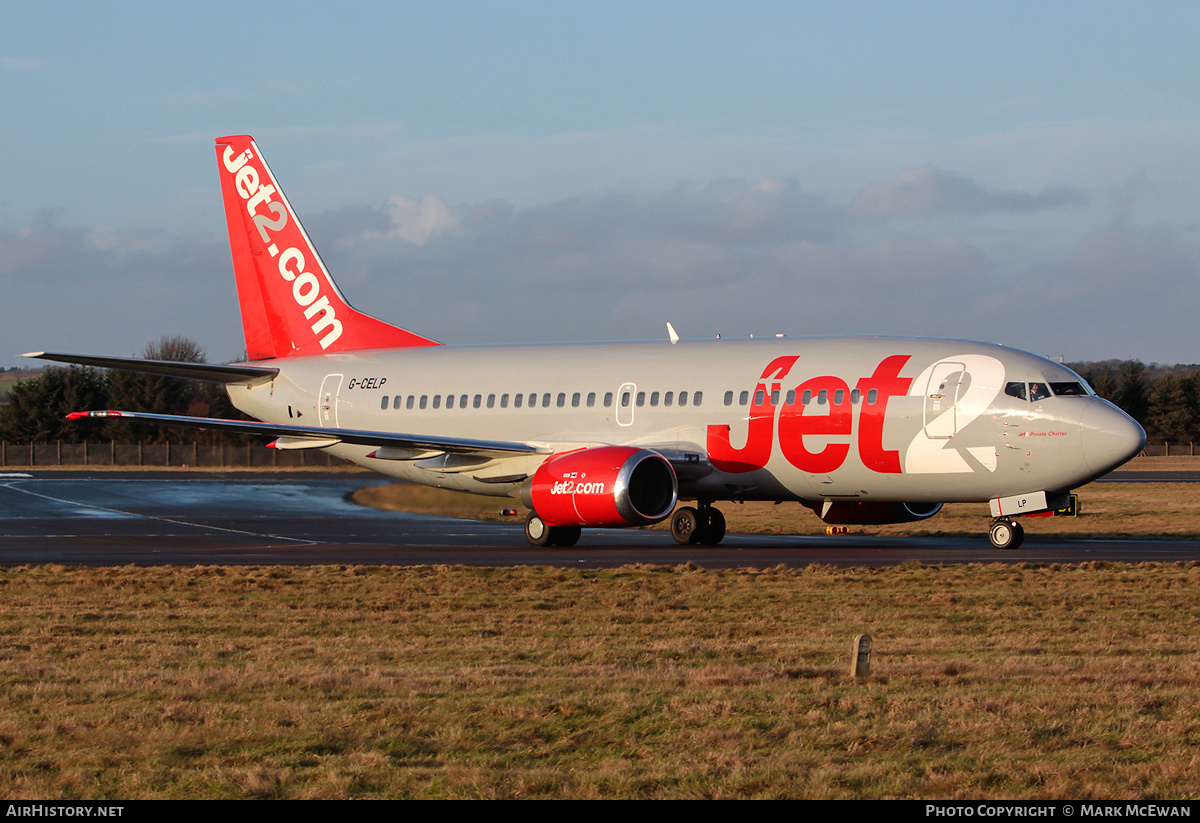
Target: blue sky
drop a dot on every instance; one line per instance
(509, 172)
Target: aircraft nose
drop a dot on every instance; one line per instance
(1110, 437)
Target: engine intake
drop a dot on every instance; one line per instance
(604, 486)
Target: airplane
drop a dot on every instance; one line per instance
(861, 430)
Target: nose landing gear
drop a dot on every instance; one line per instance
(1006, 533)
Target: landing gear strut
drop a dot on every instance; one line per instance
(1006, 533)
(539, 534)
(703, 526)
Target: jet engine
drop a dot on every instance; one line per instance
(863, 513)
(603, 486)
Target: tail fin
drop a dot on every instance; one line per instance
(290, 305)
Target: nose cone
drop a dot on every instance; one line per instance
(1110, 437)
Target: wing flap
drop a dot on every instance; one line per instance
(453, 445)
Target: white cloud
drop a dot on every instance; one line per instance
(927, 191)
(731, 256)
(418, 220)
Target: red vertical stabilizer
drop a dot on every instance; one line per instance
(290, 305)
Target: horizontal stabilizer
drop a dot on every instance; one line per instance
(208, 372)
(456, 445)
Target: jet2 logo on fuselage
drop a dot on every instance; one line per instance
(796, 422)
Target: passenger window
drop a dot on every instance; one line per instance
(668, 398)
(449, 401)
(728, 398)
(562, 399)
(608, 400)
(384, 404)
(533, 400)
(654, 398)
(822, 396)
(683, 398)
(504, 401)
(775, 397)
(872, 396)
(838, 397)
(411, 398)
(854, 396)
(759, 396)
(575, 400)
(478, 399)
(743, 398)
(806, 398)
(518, 400)
(491, 401)
(462, 402)
(697, 398)
(791, 397)
(546, 400)
(437, 401)
(591, 400)
(641, 399)
(423, 398)
(624, 400)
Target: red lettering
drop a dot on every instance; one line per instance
(795, 424)
(888, 383)
(757, 451)
(798, 421)
(778, 368)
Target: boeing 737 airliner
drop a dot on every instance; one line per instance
(861, 430)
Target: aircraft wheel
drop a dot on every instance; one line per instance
(686, 526)
(536, 531)
(1006, 534)
(564, 536)
(714, 526)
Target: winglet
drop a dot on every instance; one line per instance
(671, 333)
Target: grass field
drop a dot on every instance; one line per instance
(987, 682)
(1015, 681)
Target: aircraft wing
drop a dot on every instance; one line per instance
(209, 372)
(320, 437)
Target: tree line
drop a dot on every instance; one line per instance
(1164, 399)
(37, 408)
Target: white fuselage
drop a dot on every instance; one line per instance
(886, 419)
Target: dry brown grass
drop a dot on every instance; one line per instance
(988, 681)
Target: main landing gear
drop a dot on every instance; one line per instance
(702, 526)
(539, 534)
(1006, 533)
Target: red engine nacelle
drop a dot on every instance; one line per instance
(859, 513)
(604, 486)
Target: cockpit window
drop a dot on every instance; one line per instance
(1068, 389)
(1038, 391)
(1016, 390)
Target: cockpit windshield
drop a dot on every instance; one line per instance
(1034, 392)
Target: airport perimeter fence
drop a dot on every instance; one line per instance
(180, 455)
